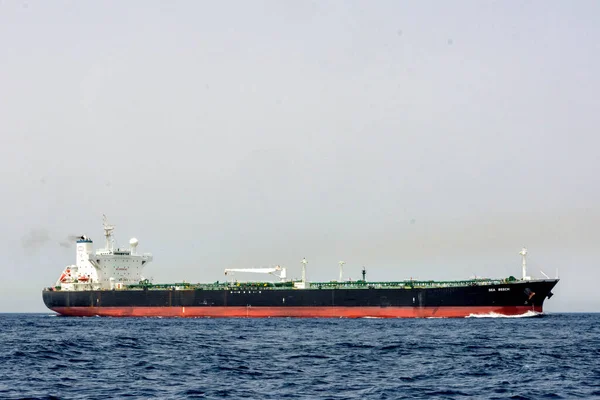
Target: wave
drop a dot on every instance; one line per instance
(528, 314)
(351, 359)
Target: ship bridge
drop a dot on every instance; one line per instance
(107, 268)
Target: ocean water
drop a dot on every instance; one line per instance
(551, 356)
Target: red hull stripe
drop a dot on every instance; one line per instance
(301, 312)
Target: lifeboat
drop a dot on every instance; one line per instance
(66, 275)
(83, 278)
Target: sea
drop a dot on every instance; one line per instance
(547, 356)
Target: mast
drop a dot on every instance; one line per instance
(341, 269)
(304, 262)
(108, 229)
(523, 254)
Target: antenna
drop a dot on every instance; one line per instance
(523, 254)
(304, 262)
(341, 269)
(364, 274)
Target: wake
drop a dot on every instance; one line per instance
(528, 314)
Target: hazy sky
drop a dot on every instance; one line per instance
(425, 139)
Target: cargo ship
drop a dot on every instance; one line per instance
(110, 282)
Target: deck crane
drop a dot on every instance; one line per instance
(271, 270)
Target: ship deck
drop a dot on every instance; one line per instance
(407, 284)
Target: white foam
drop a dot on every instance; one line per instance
(528, 314)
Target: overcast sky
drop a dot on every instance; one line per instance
(427, 139)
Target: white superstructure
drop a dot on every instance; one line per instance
(107, 268)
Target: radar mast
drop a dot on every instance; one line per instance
(108, 230)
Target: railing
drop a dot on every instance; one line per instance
(409, 284)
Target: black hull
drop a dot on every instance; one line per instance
(509, 298)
